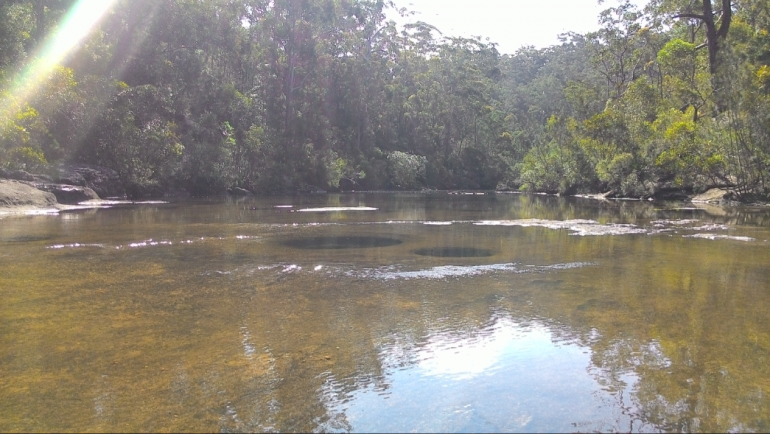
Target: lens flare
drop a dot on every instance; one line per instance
(75, 26)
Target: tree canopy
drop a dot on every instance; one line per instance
(275, 96)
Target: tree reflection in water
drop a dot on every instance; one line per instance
(217, 325)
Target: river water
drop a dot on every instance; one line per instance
(389, 312)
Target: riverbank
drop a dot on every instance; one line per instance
(66, 187)
(25, 193)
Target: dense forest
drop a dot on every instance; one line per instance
(277, 96)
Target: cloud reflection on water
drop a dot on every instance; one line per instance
(505, 377)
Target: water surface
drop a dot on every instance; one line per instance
(389, 312)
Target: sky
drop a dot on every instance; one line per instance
(510, 23)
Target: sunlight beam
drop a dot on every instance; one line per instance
(74, 27)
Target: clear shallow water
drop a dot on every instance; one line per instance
(386, 313)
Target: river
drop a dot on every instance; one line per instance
(386, 312)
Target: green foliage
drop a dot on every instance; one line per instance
(26, 158)
(676, 55)
(335, 168)
(15, 126)
(407, 171)
(683, 157)
(136, 137)
(281, 95)
(16, 28)
(558, 166)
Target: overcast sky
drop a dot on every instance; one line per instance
(510, 23)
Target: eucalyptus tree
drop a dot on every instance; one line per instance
(715, 15)
(619, 49)
(363, 53)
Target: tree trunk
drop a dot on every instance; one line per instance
(713, 34)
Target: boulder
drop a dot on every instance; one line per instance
(714, 195)
(22, 175)
(19, 175)
(18, 194)
(42, 178)
(71, 178)
(68, 194)
(103, 180)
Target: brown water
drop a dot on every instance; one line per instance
(407, 313)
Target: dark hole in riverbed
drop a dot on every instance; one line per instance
(454, 252)
(342, 242)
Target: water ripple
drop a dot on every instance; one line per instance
(591, 227)
(74, 246)
(446, 271)
(720, 237)
(338, 209)
(154, 243)
(392, 272)
(578, 227)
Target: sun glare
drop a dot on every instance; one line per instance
(75, 26)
